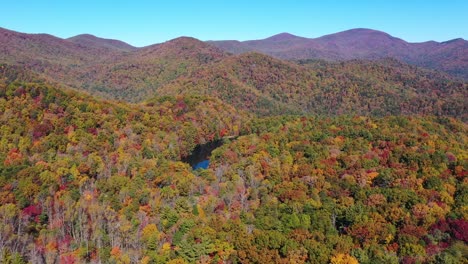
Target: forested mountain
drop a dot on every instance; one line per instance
(51, 57)
(266, 86)
(136, 76)
(360, 161)
(107, 72)
(42, 52)
(450, 56)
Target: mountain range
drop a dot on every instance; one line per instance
(378, 82)
(449, 56)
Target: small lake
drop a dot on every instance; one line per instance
(200, 157)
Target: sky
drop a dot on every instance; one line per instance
(142, 23)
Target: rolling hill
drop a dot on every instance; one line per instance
(107, 68)
(51, 57)
(32, 50)
(136, 76)
(267, 86)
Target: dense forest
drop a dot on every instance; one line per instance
(268, 86)
(318, 161)
(91, 181)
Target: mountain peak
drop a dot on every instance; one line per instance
(357, 32)
(83, 36)
(184, 39)
(91, 40)
(183, 42)
(363, 30)
(457, 40)
(181, 47)
(283, 37)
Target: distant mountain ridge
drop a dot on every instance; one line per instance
(449, 56)
(20, 47)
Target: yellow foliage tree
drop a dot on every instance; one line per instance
(343, 259)
(177, 261)
(150, 235)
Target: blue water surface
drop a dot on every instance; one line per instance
(202, 165)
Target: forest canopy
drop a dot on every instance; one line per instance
(87, 181)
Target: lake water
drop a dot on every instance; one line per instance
(202, 165)
(200, 157)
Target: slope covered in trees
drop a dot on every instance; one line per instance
(373, 190)
(136, 76)
(42, 51)
(268, 86)
(102, 67)
(90, 181)
(56, 144)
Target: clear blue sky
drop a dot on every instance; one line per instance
(142, 23)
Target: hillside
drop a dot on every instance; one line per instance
(51, 57)
(136, 76)
(90, 181)
(107, 68)
(39, 51)
(450, 56)
(172, 115)
(266, 86)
